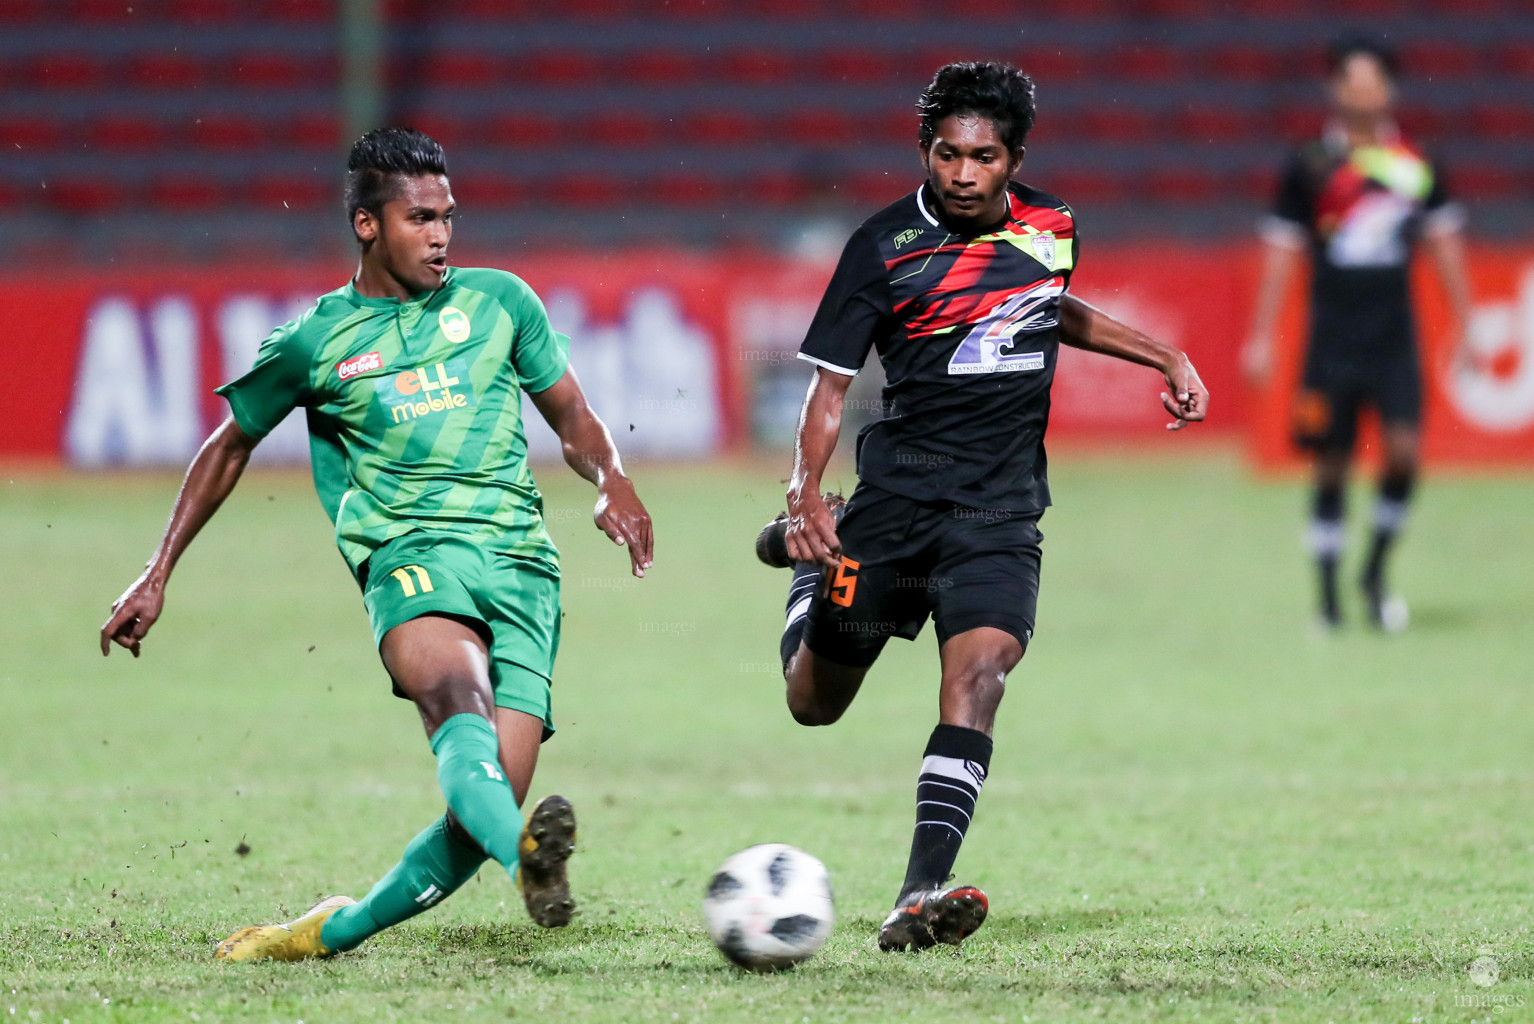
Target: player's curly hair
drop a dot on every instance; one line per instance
(380, 158)
(1355, 43)
(998, 92)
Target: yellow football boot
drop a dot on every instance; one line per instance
(299, 939)
(548, 840)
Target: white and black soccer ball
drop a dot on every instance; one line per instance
(769, 907)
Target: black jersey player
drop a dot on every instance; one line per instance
(961, 287)
(1357, 200)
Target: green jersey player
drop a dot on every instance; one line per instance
(411, 377)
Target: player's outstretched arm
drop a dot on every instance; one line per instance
(211, 476)
(1086, 327)
(589, 449)
(811, 533)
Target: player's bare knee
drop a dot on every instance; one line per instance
(808, 708)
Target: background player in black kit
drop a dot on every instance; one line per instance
(1358, 199)
(961, 287)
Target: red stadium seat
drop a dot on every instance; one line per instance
(227, 132)
(11, 196)
(459, 69)
(568, 68)
(885, 10)
(1246, 63)
(129, 135)
(451, 131)
(855, 66)
(1299, 122)
(1180, 8)
(1186, 184)
(820, 127)
(793, 10)
(1419, 122)
(1490, 182)
(203, 10)
(20, 12)
(30, 134)
(183, 194)
(1371, 8)
(478, 191)
(1052, 64)
(597, 10)
(315, 129)
(1148, 62)
(1439, 58)
(688, 190)
(659, 68)
(779, 189)
(312, 11)
(1517, 58)
(1212, 124)
(525, 130)
(1256, 184)
(874, 189)
(594, 190)
(1511, 121)
(1118, 124)
(102, 10)
(88, 196)
(273, 71)
(71, 72)
(1083, 187)
(625, 129)
(983, 10)
(722, 128)
(290, 193)
(762, 68)
(173, 71)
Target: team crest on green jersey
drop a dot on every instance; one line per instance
(454, 323)
(426, 390)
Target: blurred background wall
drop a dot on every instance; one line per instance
(676, 178)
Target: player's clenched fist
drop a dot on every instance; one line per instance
(133, 614)
(811, 534)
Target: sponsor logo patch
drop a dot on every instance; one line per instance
(349, 368)
(426, 390)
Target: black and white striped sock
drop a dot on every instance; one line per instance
(807, 577)
(952, 772)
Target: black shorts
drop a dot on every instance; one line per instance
(1336, 390)
(903, 560)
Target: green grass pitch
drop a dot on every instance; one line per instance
(1197, 809)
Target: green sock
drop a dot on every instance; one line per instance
(469, 771)
(435, 864)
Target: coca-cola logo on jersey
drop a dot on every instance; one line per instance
(362, 364)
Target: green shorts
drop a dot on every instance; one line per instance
(513, 601)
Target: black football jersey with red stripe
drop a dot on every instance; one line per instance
(967, 330)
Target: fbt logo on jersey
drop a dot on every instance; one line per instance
(426, 390)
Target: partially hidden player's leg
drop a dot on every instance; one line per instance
(820, 690)
(1398, 476)
(1327, 533)
(954, 766)
(441, 664)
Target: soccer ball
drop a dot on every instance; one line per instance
(769, 907)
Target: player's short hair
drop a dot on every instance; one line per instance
(1354, 44)
(380, 158)
(998, 92)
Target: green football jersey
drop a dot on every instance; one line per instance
(415, 409)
